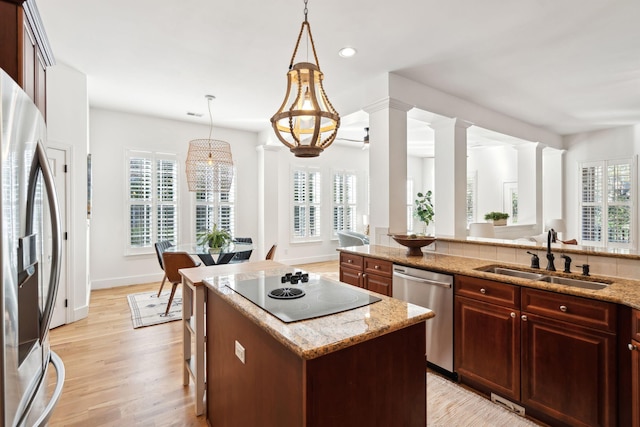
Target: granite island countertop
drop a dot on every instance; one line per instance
(621, 291)
(311, 338)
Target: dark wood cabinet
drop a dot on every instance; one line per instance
(569, 358)
(634, 346)
(379, 382)
(378, 276)
(369, 273)
(487, 338)
(555, 354)
(25, 52)
(351, 267)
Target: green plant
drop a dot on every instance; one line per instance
(494, 216)
(424, 208)
(215, 238)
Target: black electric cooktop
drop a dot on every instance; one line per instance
(299, 296)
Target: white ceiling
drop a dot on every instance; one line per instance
(567, 66)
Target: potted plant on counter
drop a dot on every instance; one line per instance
(215, 238)
(498, 218)
(424, 209)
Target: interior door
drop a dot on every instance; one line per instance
(57, 161)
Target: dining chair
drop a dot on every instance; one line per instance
(272, 252)
(244, 255)
(174, 261)
(162, 246)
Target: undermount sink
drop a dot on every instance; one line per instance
(557, 280)
(511, 272)
(585, 284)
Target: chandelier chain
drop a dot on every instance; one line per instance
(306, 10)
(313, 45)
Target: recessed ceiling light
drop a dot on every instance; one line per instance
(347, 52)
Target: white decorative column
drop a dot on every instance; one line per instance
(387, 168)
(450, 192)
(267, 209)
(530, 183)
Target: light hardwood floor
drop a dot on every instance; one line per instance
(120, 376)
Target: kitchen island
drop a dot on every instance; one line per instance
(364, 366)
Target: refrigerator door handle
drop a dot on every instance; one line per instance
(41, 163)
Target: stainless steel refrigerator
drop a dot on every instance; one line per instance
(30, 243)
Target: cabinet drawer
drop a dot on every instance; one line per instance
(635, 325)
(488, 291)
(581, 311)
(378, 266)
(379, 284)
(351, 260)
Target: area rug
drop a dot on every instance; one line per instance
(449, 405)
(147, 309)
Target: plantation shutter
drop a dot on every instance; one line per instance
(167, 200)
(306, 204)
(592, 203)
(140, 191)
(215, 208)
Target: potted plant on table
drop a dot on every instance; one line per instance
(498, 218)
(215, 239)
(424, 209)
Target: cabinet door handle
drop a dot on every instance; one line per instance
(524, 317)
(483, 291)
(350, 261)
(377, 267)
(513, 315)
(632, 347)
(563, 308)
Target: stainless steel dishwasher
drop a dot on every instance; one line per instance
(435, 291)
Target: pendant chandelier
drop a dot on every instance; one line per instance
(209, 162)
(306, 122)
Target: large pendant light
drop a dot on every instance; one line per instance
(209, 162)
(306, 122)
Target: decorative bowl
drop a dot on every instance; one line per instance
(413, 242)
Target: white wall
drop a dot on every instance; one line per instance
(336, 157)
(67, 128)
(112, 133)
(495, 166)
(609, 144)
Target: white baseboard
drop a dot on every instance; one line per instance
(80, 313)
(114, 282)
(309, 260)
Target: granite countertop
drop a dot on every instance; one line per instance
(311, 338)
(621, 291)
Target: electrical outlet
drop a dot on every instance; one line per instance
(240, 351)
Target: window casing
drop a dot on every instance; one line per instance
(606, 203)
(215, 208)
(344, 201)
(152, 204)
(305, 204)
(472, 190)
(410, 206)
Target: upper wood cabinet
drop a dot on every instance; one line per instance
(25, 53)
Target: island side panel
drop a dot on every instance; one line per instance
(380, 382)
(264, 391)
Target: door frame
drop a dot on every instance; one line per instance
(65, 226)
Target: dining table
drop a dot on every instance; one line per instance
(213, 256)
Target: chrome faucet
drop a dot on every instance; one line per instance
(550, 257)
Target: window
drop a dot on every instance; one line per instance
(410, 202)
(606, 202)
(215, 208)
(152, 207)
(471, 197)
(306, 204)
(344, 201)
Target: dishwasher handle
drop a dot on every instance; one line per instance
(421, 280)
